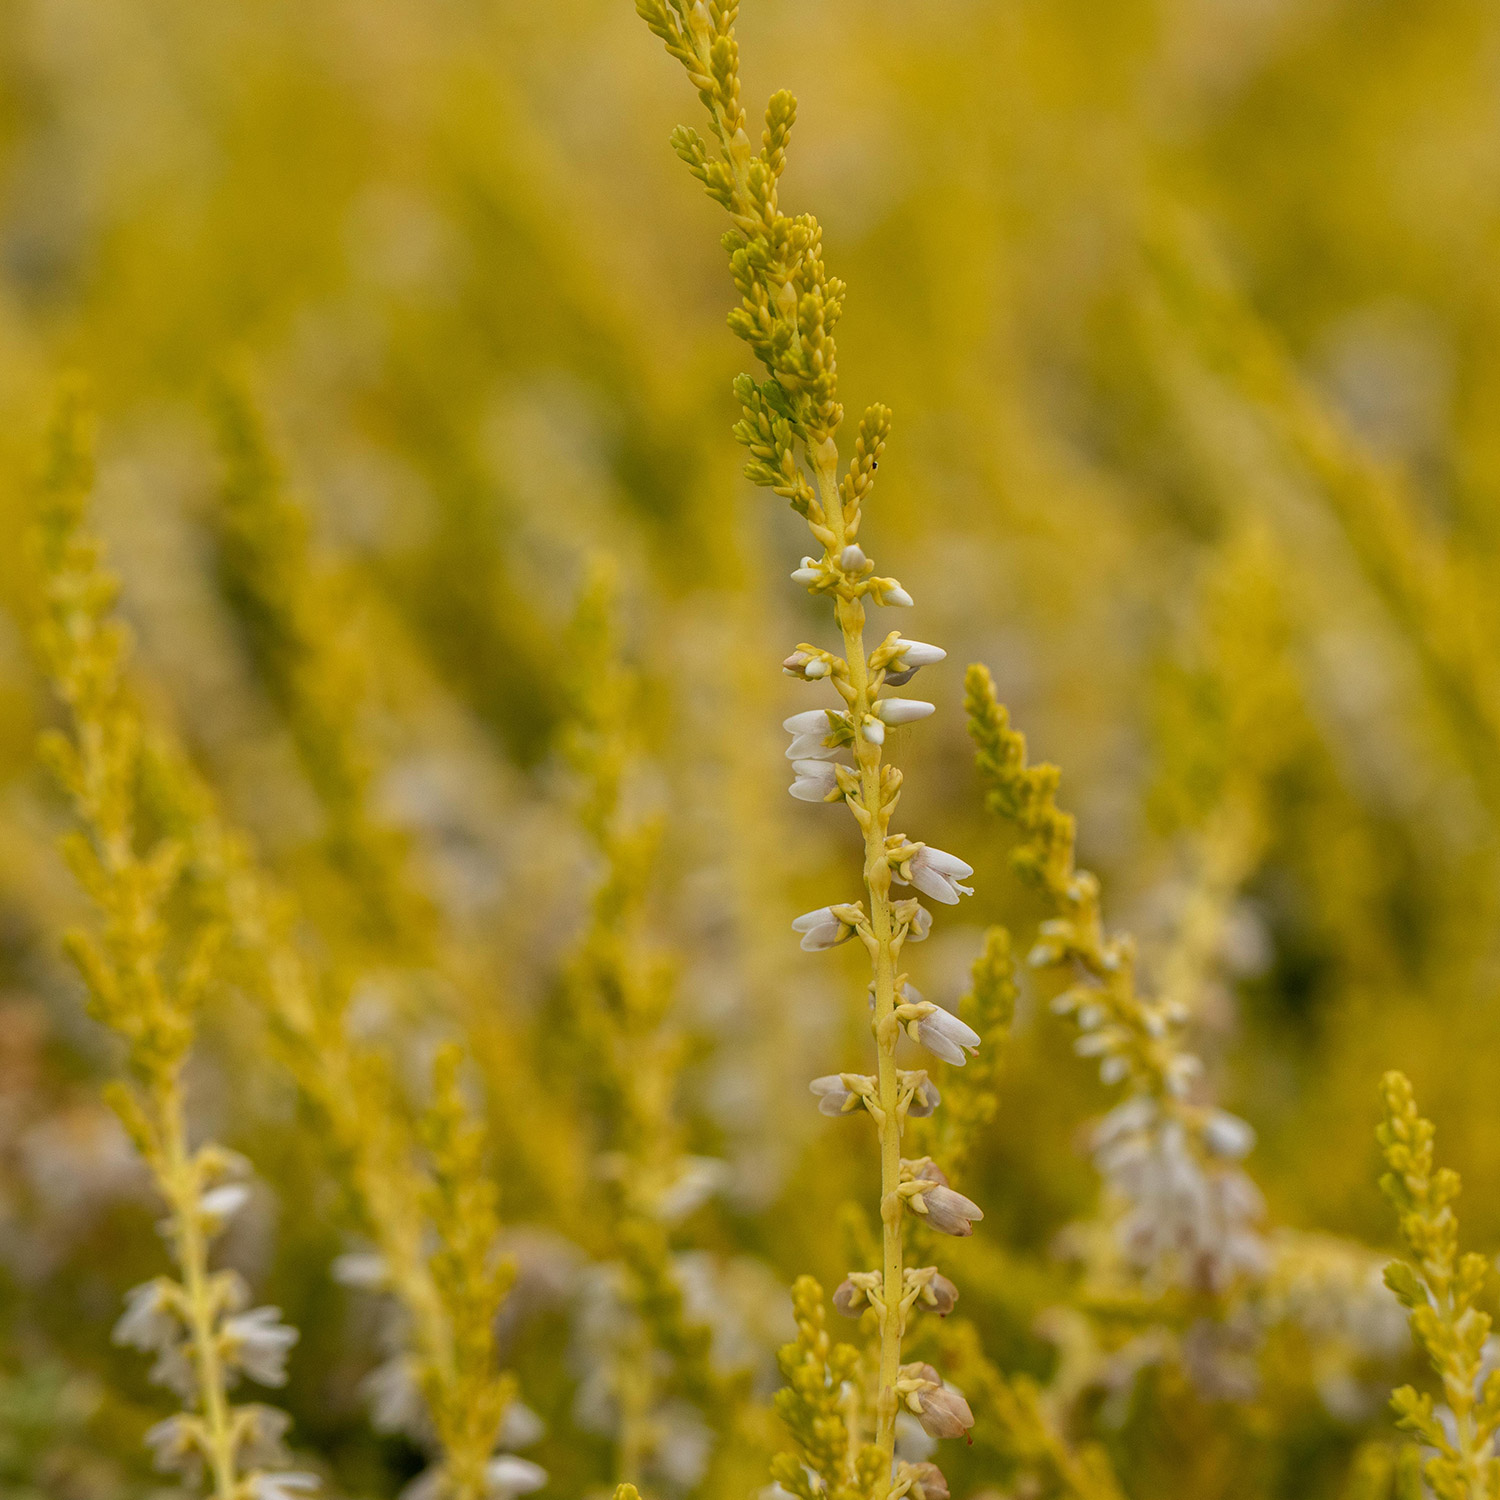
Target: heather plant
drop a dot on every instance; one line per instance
(790, 306)
(147, 977)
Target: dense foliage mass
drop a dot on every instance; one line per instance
(438, 1059)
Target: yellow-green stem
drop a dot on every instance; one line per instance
(851, 618)
(180, 1184)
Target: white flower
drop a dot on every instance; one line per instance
(1227, 1135)
(921, 925)
(810, 571)
(945, 1036)
(261, 1433)
(506, 1476)
(699, 1179)
(835, 1097)
(284, 1486)
(822, 929)
(888, 591)
(817, 780)
(174, 1446)
(808, 731)
(937, 874)
(258, 1342)
(852, 559)
(362, 1269)
(903, 710)
(220, 1204)
(520, 1427)
(396, 1403)
(874, 731)
(150, 1320)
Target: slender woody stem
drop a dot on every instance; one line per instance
(851, 618)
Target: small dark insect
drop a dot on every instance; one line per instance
(874, 463)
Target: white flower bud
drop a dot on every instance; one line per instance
(852, 559)
(909, 658)
(898, 596)
(943, 1413)
(903, 710)
(950, 1212)
(873, 731)
(809, 572)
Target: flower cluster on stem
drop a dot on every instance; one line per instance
(788, 310)
(146, 973)
(1190, 1211)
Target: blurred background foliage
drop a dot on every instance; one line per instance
(1188, 315)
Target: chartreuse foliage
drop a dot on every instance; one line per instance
(419, 769)
(1442, 1290)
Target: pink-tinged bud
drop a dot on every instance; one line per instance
(943, 1413)
(903, 710)
(924, 1095)
(849, 1299)
(949, 1212)
(927, 1481)
(940, 1295)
